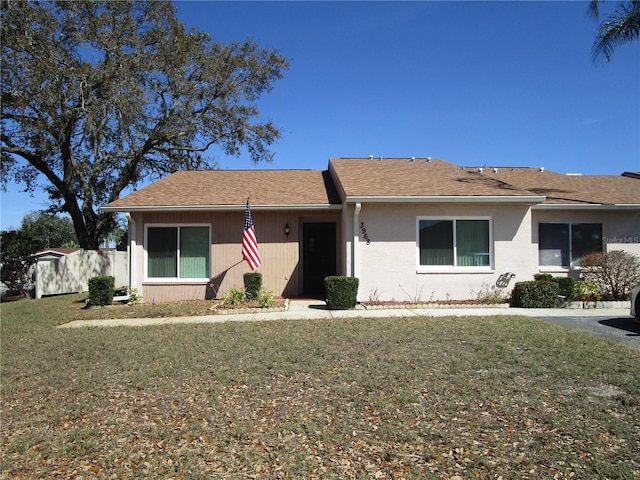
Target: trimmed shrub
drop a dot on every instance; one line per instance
(543, 277)
(101, 291)
(342, 292)
(566, 286)
(535, 295)
(252, 284)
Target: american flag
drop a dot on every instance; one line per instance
(249, 243)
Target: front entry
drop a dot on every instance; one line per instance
(318, 256)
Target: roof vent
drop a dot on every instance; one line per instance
(370, 157)
(495, 170)
(480, 170)
(542, 169)
(381, 157)
(462, 167)
(428, 159)
(413, 159)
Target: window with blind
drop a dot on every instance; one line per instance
(463, 243)
(178, 252)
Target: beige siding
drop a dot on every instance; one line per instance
(280, 254)
(167, 292)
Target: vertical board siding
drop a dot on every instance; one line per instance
(161, 293)
(279, 253)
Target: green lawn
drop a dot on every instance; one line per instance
(385, 398)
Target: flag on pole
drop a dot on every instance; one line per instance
(249, 243)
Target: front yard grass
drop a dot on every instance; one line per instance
(506, 396)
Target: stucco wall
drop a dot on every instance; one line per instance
(388, 264)
(620, 228)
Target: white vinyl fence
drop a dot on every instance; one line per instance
(71, 273)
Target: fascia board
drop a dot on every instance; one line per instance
(218, 208)
(591, 206)
(523, 199)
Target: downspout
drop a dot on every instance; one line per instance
(131, 227)
(355, 257)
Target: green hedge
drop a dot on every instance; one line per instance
(566, 285)
(342, 292)
(101, 290)
(535, 294)
(252, 284)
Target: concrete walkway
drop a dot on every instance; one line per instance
(316, 309)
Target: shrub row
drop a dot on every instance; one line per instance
(566, 285)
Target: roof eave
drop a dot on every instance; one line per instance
(219, 208)
(588, 206)
(511, 199)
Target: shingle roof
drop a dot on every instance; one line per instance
(419, 177)
(203, 188)
(570, 189)
(363, 177)
(408, 177)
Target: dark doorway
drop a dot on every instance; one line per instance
(318, 256)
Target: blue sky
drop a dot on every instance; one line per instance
(474, 83)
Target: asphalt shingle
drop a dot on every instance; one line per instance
(367, 177)
(233, 187)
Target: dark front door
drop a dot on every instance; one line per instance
(318, 256)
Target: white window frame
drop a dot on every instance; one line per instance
(454, 268)
(148, 279)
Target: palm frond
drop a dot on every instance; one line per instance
(619, 27)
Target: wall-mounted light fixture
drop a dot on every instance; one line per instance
(287, 229)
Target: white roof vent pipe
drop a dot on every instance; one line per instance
(480, 170)
(495, 170)
(428, 159)
(413, 159)
(370, 157)
(542, 169)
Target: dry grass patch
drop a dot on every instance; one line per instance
(67, 308)
(385, 398)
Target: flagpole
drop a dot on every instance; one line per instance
(249, 243)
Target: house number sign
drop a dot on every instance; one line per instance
(364, 233)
